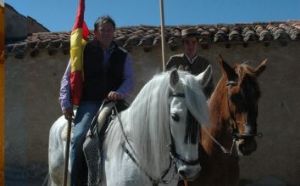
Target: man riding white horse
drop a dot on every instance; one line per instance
(107, 74)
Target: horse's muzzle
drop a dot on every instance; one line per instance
(246, 146)
(189, 172)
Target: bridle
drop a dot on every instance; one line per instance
(174, 157)
(234, 130)
(233, 124)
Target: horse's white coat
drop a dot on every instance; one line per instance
(148, 126)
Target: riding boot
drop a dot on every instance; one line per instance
(93, 145)
(93, 159)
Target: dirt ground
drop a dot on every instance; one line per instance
(24, 183)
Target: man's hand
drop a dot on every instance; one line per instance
(68, 113)
(114, 96)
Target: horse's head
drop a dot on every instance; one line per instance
(242, 101)
(188, 109)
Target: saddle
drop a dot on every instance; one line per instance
(102, 118)
(104, 115)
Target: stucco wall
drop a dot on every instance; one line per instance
(31, 97)
(31, 92)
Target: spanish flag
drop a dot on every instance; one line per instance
(78, 41)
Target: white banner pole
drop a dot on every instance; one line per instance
(162, 32)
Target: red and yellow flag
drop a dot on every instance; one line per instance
(78, 41)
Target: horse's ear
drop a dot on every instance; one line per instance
(174, 78)
(230, 73)
(261, 67)
(205, 76)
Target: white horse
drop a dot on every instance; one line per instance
(154, 141)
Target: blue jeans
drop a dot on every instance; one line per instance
(84, 116)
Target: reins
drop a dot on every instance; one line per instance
(232, 125)
(174, 156)
(224, 150)
(132, 155)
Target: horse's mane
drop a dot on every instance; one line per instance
(247, 74)
(146, 121)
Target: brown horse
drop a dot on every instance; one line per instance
(233, 109)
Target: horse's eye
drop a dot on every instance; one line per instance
(175, 117)
(231, 83)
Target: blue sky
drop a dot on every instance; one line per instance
(59, 15)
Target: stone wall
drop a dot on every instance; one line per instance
(31, 97)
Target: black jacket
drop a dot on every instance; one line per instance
(100, 78)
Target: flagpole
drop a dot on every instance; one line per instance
(162, 31)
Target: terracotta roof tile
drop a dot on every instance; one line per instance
(249, 35)
(149, 36)
(220, 36)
